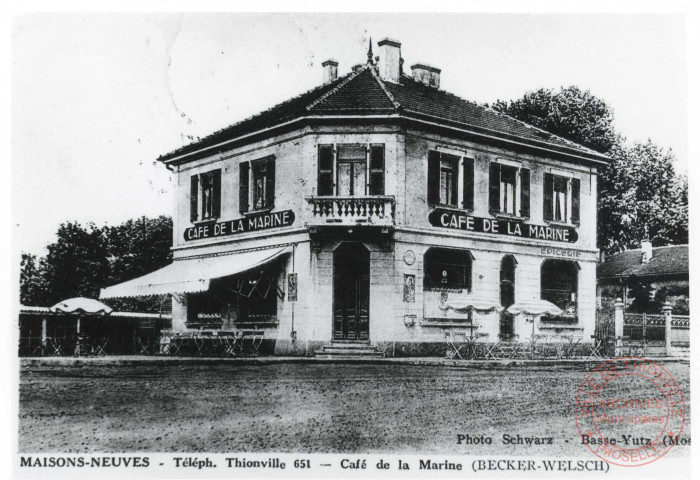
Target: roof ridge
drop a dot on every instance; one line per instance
(379, 80)
(351, 76)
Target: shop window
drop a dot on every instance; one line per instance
(351, 170)
(447, 268)
(205, 196)
(509, 190)
(448, 175)
(257, 185)
(562, 199)
(559, 285)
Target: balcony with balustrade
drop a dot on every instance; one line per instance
(351, 215)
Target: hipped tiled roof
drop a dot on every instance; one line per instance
(671, 260)
(363, 92)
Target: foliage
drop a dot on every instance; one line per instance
(569, 113)
(85, 259)
(639, 193)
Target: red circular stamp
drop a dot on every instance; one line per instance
(630, 411)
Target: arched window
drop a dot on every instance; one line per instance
(559, 285)
(447, 268)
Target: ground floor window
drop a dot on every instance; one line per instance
(447, 268)
(232, 302)
(559, 285)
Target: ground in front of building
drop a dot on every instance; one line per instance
(305, 407)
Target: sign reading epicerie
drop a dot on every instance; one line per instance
(501, 226)
(251, 223)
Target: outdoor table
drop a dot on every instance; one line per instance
(99, 346)
(144, 348)
(534, 342)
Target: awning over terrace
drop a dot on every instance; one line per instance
(193, 275)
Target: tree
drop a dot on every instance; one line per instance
(569, 113)
(135, 248)
(85, 259)
(639, 193)
(31, 281)
(76, 264)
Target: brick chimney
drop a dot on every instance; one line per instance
(389, 60)
(426, 74)
(647, 251)
(330, 71)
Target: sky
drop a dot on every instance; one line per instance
(96, 98)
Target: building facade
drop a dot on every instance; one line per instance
(378, 208)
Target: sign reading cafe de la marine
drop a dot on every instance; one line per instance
(375, 214)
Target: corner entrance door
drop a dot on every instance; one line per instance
(351, 292)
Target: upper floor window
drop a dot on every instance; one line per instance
(562, 198)
(449, 268)
(351, 170)
(205, 196)
(509, 190)
(450, 180)
(257, 185)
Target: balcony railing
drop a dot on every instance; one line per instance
(369, 210)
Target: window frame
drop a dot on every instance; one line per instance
(366, 161)
(459, 186)
(519, 192)
(574, 284)
(430, 264)
(251, 170)
(572, 205)
(205, 191)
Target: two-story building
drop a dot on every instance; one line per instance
(378, 208)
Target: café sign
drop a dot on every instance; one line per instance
(501, 226)
(252, 223)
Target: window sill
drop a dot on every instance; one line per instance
(561, 224)
(205, 221)
(508, 216)
(451, 208)
(259, 211)
(446, 289)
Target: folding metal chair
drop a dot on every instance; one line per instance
(98, 348)
(256, 342)
(457, 341)
(595, 348)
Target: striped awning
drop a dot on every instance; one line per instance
(193, 275)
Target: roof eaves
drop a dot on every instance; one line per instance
(561, 149)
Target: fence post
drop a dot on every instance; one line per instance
(619, 318)
(668, 317)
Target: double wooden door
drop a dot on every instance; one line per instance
(351, 289)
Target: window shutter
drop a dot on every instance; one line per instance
(433, 178)
(494, 187)
(244, 169)
(376, 170)
(194, 191)
(524, 192)
(216, 197)
(576, 201)
(468, 171)
(455, 181)
(270, 191)
(325, 170)
(548, 203)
